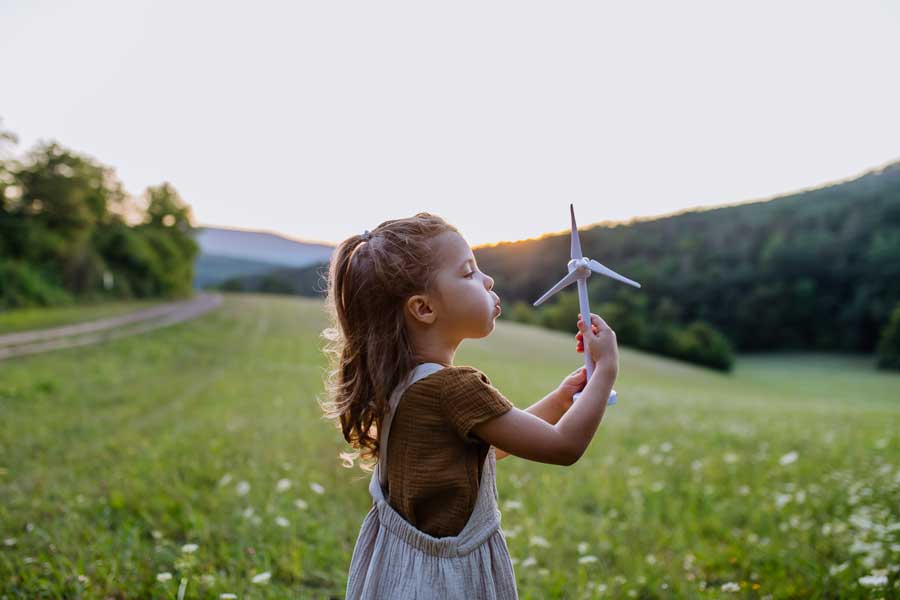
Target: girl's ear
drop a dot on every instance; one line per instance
(420, 309)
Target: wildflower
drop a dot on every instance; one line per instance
(282, 522)
(781, 500)
(537, 540)
(588, 558)
(262, 577)
(582, 548)
(301, 504)
(188, 548)
(730, 457)
(873, 580)
(512, 505)
(242, 488)
(226, 479)
(665, 447)
(10, 541)
(164, 576)
(317, 488)
(283, 485)
(644, 450)
(227, 596)
(529, 562)
(787, 458)
(835, 569)
(731, 587)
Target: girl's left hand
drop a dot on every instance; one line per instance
(574, 382)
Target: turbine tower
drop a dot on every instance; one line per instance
(580, 268)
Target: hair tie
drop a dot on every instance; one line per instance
(366, 235)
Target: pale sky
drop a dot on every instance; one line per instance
(321, 119)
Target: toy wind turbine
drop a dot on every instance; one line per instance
(580, 268)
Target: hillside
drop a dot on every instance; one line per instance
(227, 253)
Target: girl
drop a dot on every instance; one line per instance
(400, 300)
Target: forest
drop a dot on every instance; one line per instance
(70, 233)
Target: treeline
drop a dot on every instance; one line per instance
(817, 270)
(69, 232)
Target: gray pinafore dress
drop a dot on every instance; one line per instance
(393, 559)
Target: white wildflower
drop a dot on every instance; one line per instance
(262, 577)
(317, 488)
(781, 500)
(537, 540)
(9, 541)
(227, 596)
(835, 569)
(188, 548)
(582, 548)
(643, 450)
(242, 488)
(731, 587)
(588, 558)
(164, 576)
(730, 457)
(301, 504)
(512, 505)
(788, 458)
(283, 485)
(873, 580)
(665, 447)
(529, 562)
(282, 522)
(226, 479)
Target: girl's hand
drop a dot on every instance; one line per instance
(573, 382)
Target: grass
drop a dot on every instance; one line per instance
(781, 479)
(23, 319)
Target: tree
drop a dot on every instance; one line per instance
(889, 345)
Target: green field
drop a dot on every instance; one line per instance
(781, 480)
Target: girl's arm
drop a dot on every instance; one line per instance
(549, 408)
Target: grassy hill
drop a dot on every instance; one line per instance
(781, 477)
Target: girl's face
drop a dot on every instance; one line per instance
(467, 306)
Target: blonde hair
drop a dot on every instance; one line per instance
(369, 281)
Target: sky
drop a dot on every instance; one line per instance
(319, 120)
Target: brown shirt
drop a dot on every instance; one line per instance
(434, 462)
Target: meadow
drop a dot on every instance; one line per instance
(193, 461)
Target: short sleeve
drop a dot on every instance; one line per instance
(469, 399)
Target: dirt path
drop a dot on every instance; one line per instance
(101, 330)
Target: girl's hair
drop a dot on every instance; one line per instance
(367, 341)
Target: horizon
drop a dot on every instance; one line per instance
(606, 223)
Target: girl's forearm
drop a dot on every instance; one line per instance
(550, 408)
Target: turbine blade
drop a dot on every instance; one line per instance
(576, 241)
(571, 277)
(602, 270)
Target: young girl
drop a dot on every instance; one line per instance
(401, 299)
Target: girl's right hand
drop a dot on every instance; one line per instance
(601, 345)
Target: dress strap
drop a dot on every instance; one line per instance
(420, 371)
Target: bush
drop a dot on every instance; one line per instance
(22, 285)
(889, 344)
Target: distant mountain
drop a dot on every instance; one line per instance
(227, 253)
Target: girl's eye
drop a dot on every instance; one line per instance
(469, 274)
